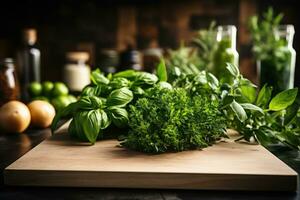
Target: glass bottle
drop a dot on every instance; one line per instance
(131, 59)
(9, 86)
(278, 68)
(77, 71)
(226, 51)
(29, 59)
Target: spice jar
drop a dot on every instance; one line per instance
(77, 71)
(9, 86)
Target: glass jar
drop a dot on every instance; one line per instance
(226, 51)
(278, 68)
(9, 86)
(76, 71)
(108, 60)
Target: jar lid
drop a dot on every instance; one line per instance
(7, 62)
(78, 56)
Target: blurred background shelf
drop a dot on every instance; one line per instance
(95, 25)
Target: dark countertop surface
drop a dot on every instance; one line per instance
(13, 146)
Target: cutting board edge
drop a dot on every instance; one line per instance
(156, 180)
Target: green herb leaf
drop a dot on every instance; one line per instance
(105, 122)
(119, 97)
(98, 78)
(66, 112)
(119, 82)
(91, 124)
(234, 71)
(249, 106)
(249, 93)
(91, 91)
(264, 96)
(238, 110)
(129, 74)
(145, 78)
(161, 71)
(119, 116)
(283, 99)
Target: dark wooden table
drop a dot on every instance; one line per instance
(14, 146)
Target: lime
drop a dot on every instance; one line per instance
(47, 88)
(72, 98)
(59, 89)
(35, 89)
(60, 102)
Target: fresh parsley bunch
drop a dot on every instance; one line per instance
(173, 120)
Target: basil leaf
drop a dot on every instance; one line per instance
(238, 110)
(249, 106)
(165, 85)
(105, 122)
(234, 71)
(161, 71)
(119, 82)
(145, 78)
(137, 90)
(264, 96)
(66, 112)
(98, 78)
(119, 116)
(89, 103)
(283, 99)
(91, 91)
(129, 74)
(72, 129)
(91, 122)
(119, 97)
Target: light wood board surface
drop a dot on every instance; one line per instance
(228, 165)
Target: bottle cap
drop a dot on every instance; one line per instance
(30, 36)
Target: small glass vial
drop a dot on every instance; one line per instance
(226, 51)
(278, 69)
(9, 86)
(76, 71)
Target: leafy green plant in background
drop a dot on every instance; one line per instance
(273, 56)
(192, 60)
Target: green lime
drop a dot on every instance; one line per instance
(59, 89)
(60, 102)
(41, 98)
(35, 89)
(47, 88)
(72, 98)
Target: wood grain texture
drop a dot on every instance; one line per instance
(227, 165)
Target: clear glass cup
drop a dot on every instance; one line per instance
(226, 51)
(278, 69)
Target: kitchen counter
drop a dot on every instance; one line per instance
(15, 145)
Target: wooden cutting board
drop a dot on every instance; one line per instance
(228, 165)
